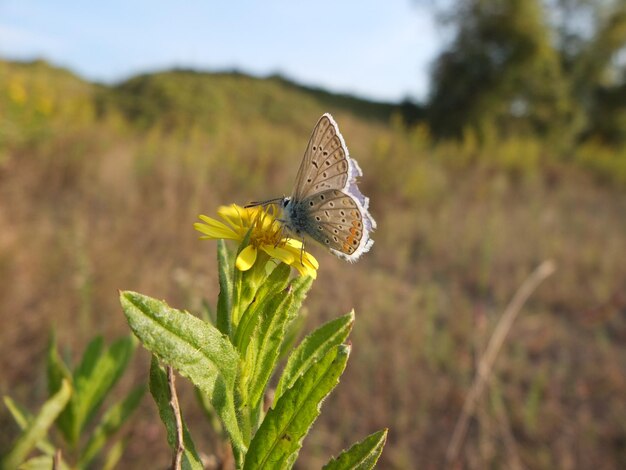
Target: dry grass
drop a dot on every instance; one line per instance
(92, 203)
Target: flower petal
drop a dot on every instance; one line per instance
(286, 256)
(215, 229)
(240, 218)
(232, 215)
(291, 256)
(246, 258)
(311, 260)
(229, 211)
(308, 258)
(304, 270)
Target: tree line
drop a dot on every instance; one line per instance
(550, 68)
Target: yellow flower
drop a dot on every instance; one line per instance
(17, 92)
(266, 234)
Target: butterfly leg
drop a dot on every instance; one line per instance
(302, 252)
(281, 237)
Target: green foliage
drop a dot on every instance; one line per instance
(23, 418)
(43, 462)
(184, 100)
(111, 422)
(232, 372)
(38, 428)
(502, 73)
(93, 379)
(198, 350)
(312, 349)
(278, 440)
(533, 68)
(75, 399)
(38, 99)
(362, 455)
(607, 163)
(224, 305)
(261, 355)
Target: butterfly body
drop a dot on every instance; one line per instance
(326, 204)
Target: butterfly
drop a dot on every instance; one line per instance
(326, 204)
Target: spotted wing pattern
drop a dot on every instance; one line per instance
(326, 163)
(337, 221)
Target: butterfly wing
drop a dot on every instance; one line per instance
(339, 222)
(326, 164)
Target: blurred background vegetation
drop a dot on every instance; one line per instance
(517, 156)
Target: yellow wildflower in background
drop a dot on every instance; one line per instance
(266, 234)
(17, 91)
(45, 105)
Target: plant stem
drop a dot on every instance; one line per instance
(493, 348)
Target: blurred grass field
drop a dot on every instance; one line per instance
(100, 186)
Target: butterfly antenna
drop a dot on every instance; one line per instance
(264, 203)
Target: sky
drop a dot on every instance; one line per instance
(376, 49)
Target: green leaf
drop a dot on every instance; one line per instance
(23, 418)
(225, 266)
(84, 370)
(258, 362)
(279, 438)
(20, 414)
(362, 455)
(199, 351)
(244, 282)
(264, 346)
(94, 379)
(312, 348)
(161, 393)
(300, 287)
(42, 462)
(56, 369)
(92, 353)
(38, 428)
(207, 313)
(276, 282)
(57, 372)
(111, 422)
(114, 455)
(209, 413)
(292, 334)
(269, 336)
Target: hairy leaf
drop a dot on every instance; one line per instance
(312, 348)
(362, 455)
(277, 442)
(225, 266)
(198, 350)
